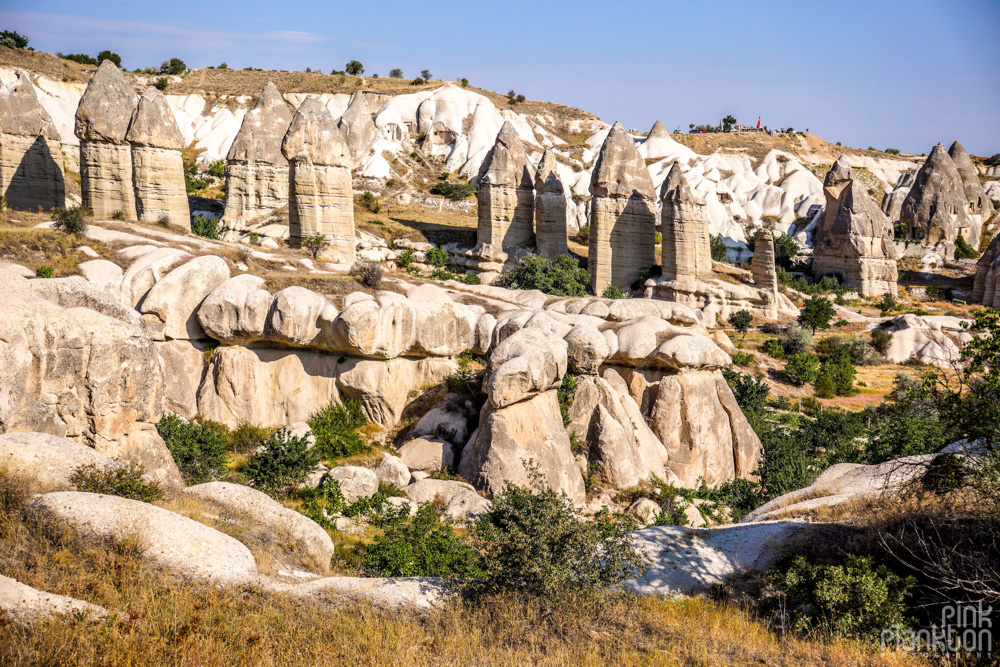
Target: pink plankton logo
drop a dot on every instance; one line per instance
(964, 630)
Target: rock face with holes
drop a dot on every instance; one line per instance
(936, 210)
(687, 252)
(320, 198)
(762, 264)
(31, 172)
(622, 215)
(359, 130)
(256, 170)
(102, 121)
(550, 208)
(157, 166)
(506, 195)
(854, 238)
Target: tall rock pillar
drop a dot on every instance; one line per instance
(506, 195)
(157, 166)
(935, 211)
(256, 170)
(762, 265)
(686, 252)
(31, 173)
(102, 120)
(550, 208)
(622, 215)
(320, 197)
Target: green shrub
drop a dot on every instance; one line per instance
(855, 599)
(370, 202)
(193, 183)
(615, 292)
(406, 258)
(335, 428)
(199, 447)
(315, 244)
(368, 274)
(561, 276)
(963, 250)
(887, 303)
(741, 358)
(71, 220)
(423, 545)
(825, 387)
(217, 169)
(124, 481)
(785, 249)
(207, 227)
(583, 234)
(438, 257)
(81, 58)
(282, 465)
(859, 350)
(454, 191)
(565, 393)
(741, 321)
(750, 394)
(534, 542)
(881, 339)
(802, 368)
(841, 373)
(945, 473)
(109, 55)
(718, 249)
(44, 272)
(173, 66)
(816, 313)
(773, 349)
(13, 39)
(161, 83)
(795, 340)
(119, 215)
(247, 438)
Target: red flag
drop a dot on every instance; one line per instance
(758, 122)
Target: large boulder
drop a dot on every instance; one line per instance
(175, 298)
(383, 387)
(393, 471)
(270, 517)
(355, 482)
(428, 454)
(165, 539)
(25, 605)
(236, 311)
(48, 460)
(525, 364)
(183, 363)
(419, 593)
(459, 499)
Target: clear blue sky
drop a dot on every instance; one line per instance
(874, 72)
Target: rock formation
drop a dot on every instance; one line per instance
(979, 203)
(762, 264)
(357, 126)
(506, 195)
(256, 171)
(622, 215)
(935, 211)
(157, 166)
(892, 202)
(550, 208)
(854, 238)
(102, 120)
(687, 252)
(320, 198)
(31, 172)
(985, 290)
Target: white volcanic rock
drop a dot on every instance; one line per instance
(175, 298)
(25, 605)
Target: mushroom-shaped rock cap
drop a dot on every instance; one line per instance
(106, 107)
(357, 126)
(839, 173)
(507, 162)
(620, 170)
(263, 128)
(314, 134)
(967, 170)
(658, 130)
(547, 175)
(22, 114)
(153, 123)
(676, 188)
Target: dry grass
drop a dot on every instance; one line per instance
(45, 64)
(33, 248)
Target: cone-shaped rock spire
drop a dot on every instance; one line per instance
(686, 253)
(935, 210)
(356, 124)
(979, 202)
(550, 208)
(157, 166)
(30, 154)
(506, 195)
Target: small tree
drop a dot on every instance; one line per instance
(802, 368)
(396, 73)
(817, 313)
(72, 220)
(161, 83)
(728, 122)
(13, 39)
(741, 321)
(464, 82)
(354, 68)
(173, 66)
(283, 463)
(315, 244)
(881, 339)
(718, 248)
(963, 250)
(425, 74)
(109, 55)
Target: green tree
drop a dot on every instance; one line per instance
(963, 250)
(424, 545)
(718, 248)
(881, 339)
(13, 39)
(315, 244)
(785, 249)
(173, 66)
(109, 55)
(425, 74)
(560, 276)
(817, 313)
(283, 463)
(728, 122)
(354, 68)
(802, 368)
(199, 447)
(396, 73)
(741, 321)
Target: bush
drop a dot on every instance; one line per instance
(817, 313)
(173, 66)
(795, 340)
(370, 202)
(71, 220)
(315, 244)
(417, 82)
(534, 542)
(438, 257)
(963, 250)
(423, 545)
(335, 428)
(802, 368)
(81, 58)
(565, 393)
(881, 339)
(615, 292)
(718, 248)
(858, 350)
(825, 387)
(887, 303)
(199, 447)
(44, 272)
(773, 349)
(354, 68)
(785, 249)
(282, 465)
(193, 183)
(109, 55)
(454, 191)
(119, 215)
(395, 73)
(741, 321)
(741, 358)
(161, 83)
(13, 39)
(247, 438)
(207, 227)
(368, 274)
(217, 169)
(583, 234)
(750, 394)
(561, 276)
(855, 599)
(124, 481)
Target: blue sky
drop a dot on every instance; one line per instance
(875, 73)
